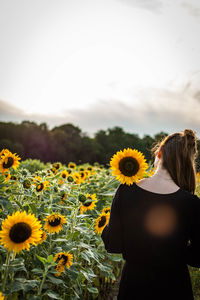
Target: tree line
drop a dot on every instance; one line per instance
(67, 143)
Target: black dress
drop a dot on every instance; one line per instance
(158, 236)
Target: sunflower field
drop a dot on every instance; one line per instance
(51, 220)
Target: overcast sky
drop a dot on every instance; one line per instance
(101, 63)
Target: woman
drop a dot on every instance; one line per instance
(155, 224)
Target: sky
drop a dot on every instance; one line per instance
(101, 63)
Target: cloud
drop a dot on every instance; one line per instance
(193, 9)
(152, 5)
(158, 110)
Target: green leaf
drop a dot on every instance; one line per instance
(53, 295)
(55, 280)
(42, 259)
(93, 290)
(23, 284)
(85, 256)
(50, 259)
(37, 271)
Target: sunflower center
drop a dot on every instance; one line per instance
(128, 166)
(9, 163)
(65, 258)
(63, 175)
(87, 203)
(102, 221)
(20, 232)
(55, 222)
(63, 196)
(40, 187)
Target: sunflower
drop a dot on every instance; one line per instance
(13, 177)
(60, 268)
(106, 210)
(128, 165)
(64, 174)
(1, 296)
(71, 165)
(7, 176)
(151, 172)
(42, 186)
(63, 196)
(101, 222)
(57, 165)
(83, 175)
(77, 177)
(69, 171)
(54, 223)
(90, 168)
(20, 230)
(88, 205)
(64, 260)
(36, 179)
(8, 160)
(43, 236)
(27, 184)
(70, 178)
(53, 170)
(4, 152)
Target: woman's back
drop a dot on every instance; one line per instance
(152, 231)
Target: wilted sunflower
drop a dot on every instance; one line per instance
(43, 236)
(54, 223)
(106, 210)
(128, 165)
(101, 222)
(64, 259)
(88, 205)
(1, 296)
(71, 165)
(9, 160)
(20, 230)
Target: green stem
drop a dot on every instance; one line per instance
(5, 275)
(43, 280)
(50, 244)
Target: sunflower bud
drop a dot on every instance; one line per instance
(26, 184)
(70, 179)
(82, 198)
(24, 172)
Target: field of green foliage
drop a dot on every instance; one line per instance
(56, 252)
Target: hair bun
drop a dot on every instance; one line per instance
(190, 136)
(189, 133)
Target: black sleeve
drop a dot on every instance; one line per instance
(193, 250)
(112, 232)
